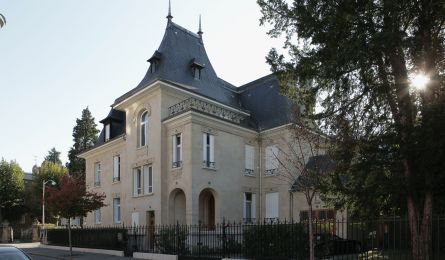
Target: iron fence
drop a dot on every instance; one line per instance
(386, 238)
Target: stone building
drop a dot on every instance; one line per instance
(186, 146)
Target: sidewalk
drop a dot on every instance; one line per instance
(38, 252)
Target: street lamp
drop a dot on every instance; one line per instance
(43, 199)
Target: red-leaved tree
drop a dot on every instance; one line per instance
(72, 199)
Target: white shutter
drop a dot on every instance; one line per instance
(146, 179)
(212, 148)
(135, 219)
(180, 150)
(116, 167)
(204, 147)
(268, 158)
(272, 205)
(275, 162)
(135, 182)
(249, 157)
(253, 214)
(174, 157)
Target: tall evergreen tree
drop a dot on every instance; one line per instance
(84, 137)
(53, 156)
(361, 59)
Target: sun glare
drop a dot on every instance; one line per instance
(419, 81)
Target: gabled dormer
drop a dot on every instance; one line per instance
(114, 125)
(196, 68)
(154, 61)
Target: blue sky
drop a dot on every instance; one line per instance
(58, 57)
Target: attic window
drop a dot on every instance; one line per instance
(196, 69)
(154, 61)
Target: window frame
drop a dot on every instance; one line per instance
(143, 129)
(116, 177)
(117, 217)
(143, 180)
(98, 216)
(208, 152)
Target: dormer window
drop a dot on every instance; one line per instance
(154, 61)
(196, 68)
(107, 132)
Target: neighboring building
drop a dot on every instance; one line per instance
(186, 146)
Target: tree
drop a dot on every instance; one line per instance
(304, 164)
(358, 58)
(84, 137)
(2, 21)
(53, 156)
(12, 189)
(47, 171)
(72, 199)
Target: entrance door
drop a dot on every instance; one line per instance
(151, 228)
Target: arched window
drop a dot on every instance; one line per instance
(143, 129)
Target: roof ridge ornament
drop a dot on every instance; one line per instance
(169, 16)
(200, 29)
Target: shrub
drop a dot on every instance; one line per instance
(172, 240)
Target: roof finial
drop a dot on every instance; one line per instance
(200, 29)
(169, 16)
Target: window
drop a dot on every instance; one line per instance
(249, 213)
(117, 210)
(177, 151)
(137, 181)
(97, 216)
(107, 132)
(142, 180)
(272, 206)
(271, 159)
(97, 174)
(208, 155)
(143, 129)
(249, 155)
(116, 168)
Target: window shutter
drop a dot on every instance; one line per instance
(272, 205)
(249, 157)
(150, 179)
(107, 132)
(174, 158)
(253, 214)
(204, 147)
(268, 158)
(212, 148)
(135, 182)
(116, 167)
(146, 179)
(275, 162)
(180, 149)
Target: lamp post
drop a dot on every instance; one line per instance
(43, 200)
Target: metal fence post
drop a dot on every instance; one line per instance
(224, 238)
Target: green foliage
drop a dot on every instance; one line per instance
(357, 59)
(72, 199)
(84, 137)
(53, 156)
(12, 189)
(103, 238)
(276, 240)
(172, 239)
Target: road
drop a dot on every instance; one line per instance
(39, 253)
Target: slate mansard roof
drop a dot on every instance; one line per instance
(179, 53)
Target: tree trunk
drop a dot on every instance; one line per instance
(311, 235)
(420, 228)
(69, 236)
